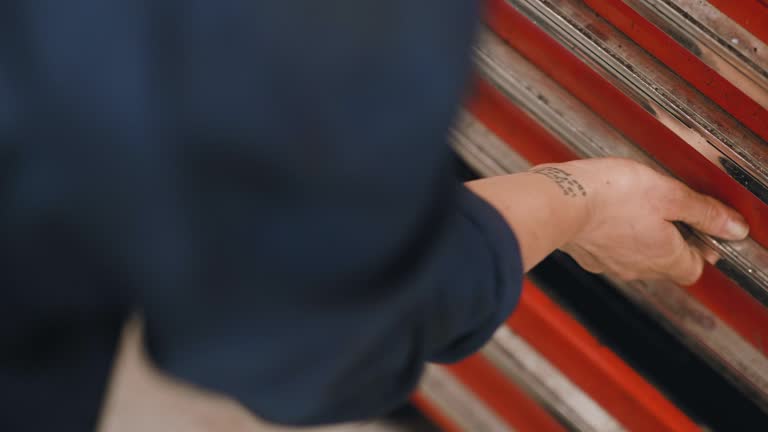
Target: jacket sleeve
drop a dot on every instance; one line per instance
(302, 243)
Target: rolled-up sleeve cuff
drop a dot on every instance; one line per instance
(497, 260)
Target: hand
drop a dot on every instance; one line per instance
(629, 231)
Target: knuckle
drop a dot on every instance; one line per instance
(692, 270)
(719, 215)
(627, 275)
(630, 164)
(692, 275)
(636, 170)
(678, 249)
(710, 256)
(630, 169)
(590, 265)
(711, 214)
(670, 194)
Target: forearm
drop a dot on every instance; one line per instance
(545, 209)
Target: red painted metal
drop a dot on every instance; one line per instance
(684, 63)
(503, 396)
(750, 14)
(497, 393)
(594, 368)
(434, 413)
(730, 303)
(624, 114)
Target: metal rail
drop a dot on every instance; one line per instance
(745, 262)
(532, 371)
(693, 323)
(442, 390)
(698, 121)
(714, 38)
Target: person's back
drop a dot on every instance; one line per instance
(269, 185)
(192, 160)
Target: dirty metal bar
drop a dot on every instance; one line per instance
(745, 262)
(692, 117)
(483, 150)
(522, 364)
(704, 46)
(597, 371)
(696, 326)
(511, 402)
(455, 403)
(750, 14)
(694, 156)
(721, 43)
(680, 311)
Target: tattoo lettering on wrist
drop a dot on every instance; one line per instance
(567, 183)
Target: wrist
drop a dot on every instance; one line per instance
(572, 194)
(543, 214)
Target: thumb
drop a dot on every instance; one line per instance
(709, 215)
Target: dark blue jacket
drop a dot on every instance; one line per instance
(267, 181)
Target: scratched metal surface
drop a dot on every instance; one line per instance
(693, 323)
(455, 401)
(714, 38)
(482, 149)
(523, 364)
(589, 136)
(675, 104)
(727, 30)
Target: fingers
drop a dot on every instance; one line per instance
(708, 215)
(687, 266)
(708, 255)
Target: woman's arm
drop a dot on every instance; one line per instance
(543, 215)
(612, 215)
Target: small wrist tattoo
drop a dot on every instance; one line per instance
(569, 185)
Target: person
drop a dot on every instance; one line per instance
(269, 184)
